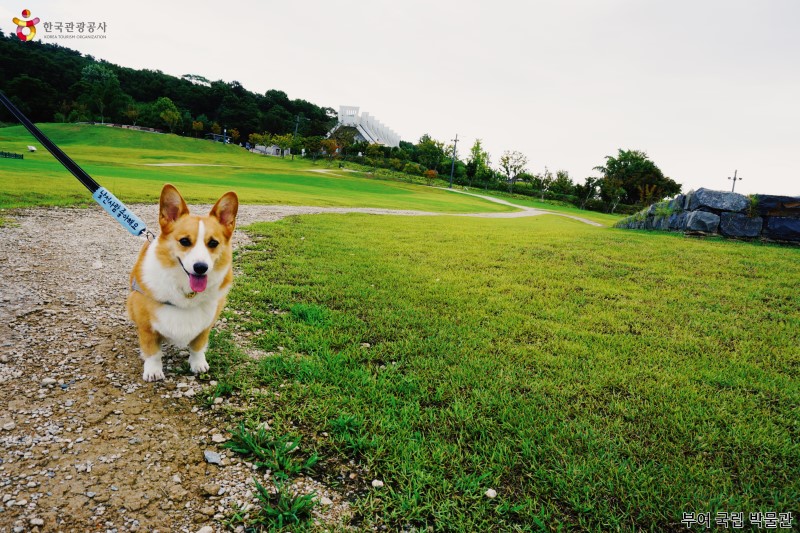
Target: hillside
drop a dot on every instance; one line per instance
(134, 165)
(49, 82)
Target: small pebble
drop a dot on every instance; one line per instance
(377, 483)
(490, 493)
(212, 457)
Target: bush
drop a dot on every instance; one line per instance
(413, 168)
(430, 175)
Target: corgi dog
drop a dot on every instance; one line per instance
(181, 279)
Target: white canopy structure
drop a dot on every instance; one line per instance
(367, 127)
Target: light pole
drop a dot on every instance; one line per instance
(453, 165)
(734, 178)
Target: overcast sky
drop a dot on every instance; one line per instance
(705, 87)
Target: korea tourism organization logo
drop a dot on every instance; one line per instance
(26, 29)
(62, 29)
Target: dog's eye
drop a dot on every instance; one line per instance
(213, 243)
(186, 241)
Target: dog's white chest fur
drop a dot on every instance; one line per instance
(180, 325)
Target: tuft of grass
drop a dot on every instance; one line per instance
(311, 314)
(270, 452)
(283, 508)
(7, 222)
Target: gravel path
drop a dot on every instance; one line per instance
(84, 443)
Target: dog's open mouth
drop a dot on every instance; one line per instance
(198, 283)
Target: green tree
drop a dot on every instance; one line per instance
(587, 191)
(313, 146)
(374, 151)
(165, 109)
(478, 164)
(284, 142)
(34, 97)
(104, 91)
(542, 182)
(512, 164)
(255, 139)
(562, 185)
(430, 152)
(132, 112)
(634, 173)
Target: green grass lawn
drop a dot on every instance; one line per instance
(118, 159)
(596, 379)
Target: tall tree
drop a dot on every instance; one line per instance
(562, 185)
(430, 152)
(313, 145)
(634, 173)
(542, 182)
(165, 110)
(512, 164)
(587, 191)
(478, 163)
(104, 89)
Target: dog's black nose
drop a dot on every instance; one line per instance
(200, 268)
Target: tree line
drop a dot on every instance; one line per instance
(51, 83)
(625, 181)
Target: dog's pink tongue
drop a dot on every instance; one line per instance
(198, 283)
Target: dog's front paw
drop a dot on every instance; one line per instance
(153, 370)
(198, 363)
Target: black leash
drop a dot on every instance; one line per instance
(103, 197)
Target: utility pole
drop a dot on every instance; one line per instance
(296, 125)
(453, 165)
(734, 178)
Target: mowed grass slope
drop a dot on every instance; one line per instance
(119, 160)
(596, 379)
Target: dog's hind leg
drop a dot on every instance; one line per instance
(197, 353)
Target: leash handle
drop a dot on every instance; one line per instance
(105, 199)
(120, 211)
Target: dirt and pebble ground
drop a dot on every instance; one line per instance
(85, 444)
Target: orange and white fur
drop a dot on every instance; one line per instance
(181, 279)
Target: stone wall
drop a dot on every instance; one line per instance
(706, 212)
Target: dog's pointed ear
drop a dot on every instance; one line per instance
(225, 211)
(171, 207)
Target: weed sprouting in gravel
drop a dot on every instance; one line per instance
(271, 452)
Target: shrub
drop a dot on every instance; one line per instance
(430, 175)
